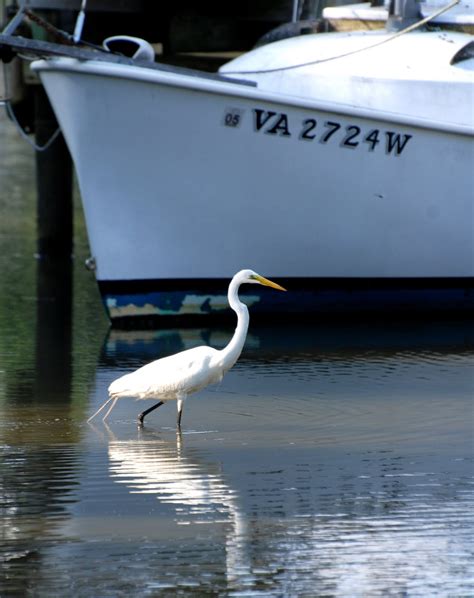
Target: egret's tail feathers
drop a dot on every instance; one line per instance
(112, 398)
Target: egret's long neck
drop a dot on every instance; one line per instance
(231, 353)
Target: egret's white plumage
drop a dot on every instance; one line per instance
(177, 376)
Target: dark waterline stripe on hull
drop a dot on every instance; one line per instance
(193, 301)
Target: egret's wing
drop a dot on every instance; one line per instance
(183, 372)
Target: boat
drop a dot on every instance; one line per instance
(339, 164)
(374, 15)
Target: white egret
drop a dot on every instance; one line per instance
(177, 376)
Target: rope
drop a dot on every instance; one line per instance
(54, 32)
(61, 36)
(24, 134)
(10, 112)
(345, 55)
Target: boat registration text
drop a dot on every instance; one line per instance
(348, 136)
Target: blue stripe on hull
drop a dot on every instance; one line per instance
(158, 302)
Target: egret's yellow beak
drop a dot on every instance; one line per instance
(269, 283)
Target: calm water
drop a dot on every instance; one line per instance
(331, 461)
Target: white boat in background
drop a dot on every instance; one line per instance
(368, 15)
(340, 164)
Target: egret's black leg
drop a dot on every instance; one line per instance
(180, 411)
(141, 417)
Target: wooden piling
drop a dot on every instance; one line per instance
(54, 185)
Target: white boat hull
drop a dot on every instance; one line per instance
(190, 179)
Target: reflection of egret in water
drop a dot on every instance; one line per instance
(196, 489)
